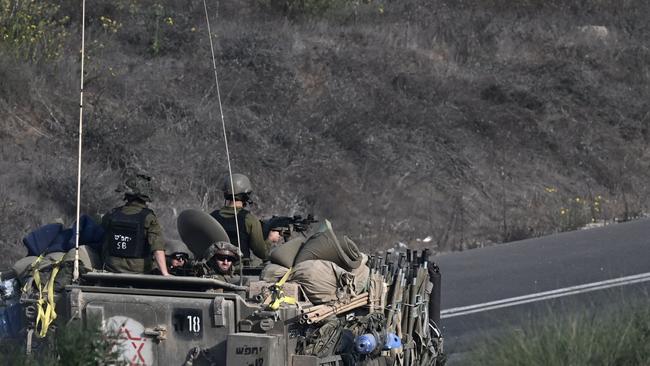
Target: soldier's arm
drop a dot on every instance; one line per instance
(159, 256)
(259, 246)
(155, 238)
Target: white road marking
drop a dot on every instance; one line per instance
(540, 296)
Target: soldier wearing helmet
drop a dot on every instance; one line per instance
(251, 239)
(133, 234)
(178, 257)
(219, 260)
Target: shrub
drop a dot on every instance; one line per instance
(32, 30)
(70, 345)
(619, 335)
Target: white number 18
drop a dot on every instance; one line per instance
(194, 323)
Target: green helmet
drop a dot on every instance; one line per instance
(224, 248)
(173, 246)
(241, 184)
(137, 185)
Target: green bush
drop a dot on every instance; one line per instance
(72, 345)
(32, 30)
(619, 337)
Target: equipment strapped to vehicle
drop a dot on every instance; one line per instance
(45, 304)
(277, 293)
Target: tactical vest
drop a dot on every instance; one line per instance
(126, 237)
(230, 227)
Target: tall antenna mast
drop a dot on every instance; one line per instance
(75, 273)
(225, 139)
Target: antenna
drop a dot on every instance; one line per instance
(225, 139)
(75, 273)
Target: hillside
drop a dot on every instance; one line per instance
(468, 122)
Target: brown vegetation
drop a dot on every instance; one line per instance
(471, 123)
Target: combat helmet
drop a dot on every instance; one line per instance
(174, 247)
(223, 248)
(138, 185)
(242, 187)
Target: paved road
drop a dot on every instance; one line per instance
(541, 265)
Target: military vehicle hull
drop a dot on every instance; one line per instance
(158, 320)
(180, 327)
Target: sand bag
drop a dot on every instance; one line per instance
(361, 276)
(323, 281)
(273, 272)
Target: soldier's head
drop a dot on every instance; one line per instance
(241, 187)
(177, 253)
(221, 256)
(136, 186)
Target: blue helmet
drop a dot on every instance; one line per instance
(365, 343)
(392, 341)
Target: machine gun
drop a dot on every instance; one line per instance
(287, 225)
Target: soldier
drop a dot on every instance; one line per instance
(220, 259)
(133, 234)
(250, 229)
(178, 258)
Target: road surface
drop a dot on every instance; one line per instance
(489, 289)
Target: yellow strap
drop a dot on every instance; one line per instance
(284, 278)
(275, 305)
(46, 307)
(278, 295)
(50, 314)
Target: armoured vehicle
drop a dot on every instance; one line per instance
(203, 321)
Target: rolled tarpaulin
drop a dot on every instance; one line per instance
(323, 245)
(285, 254)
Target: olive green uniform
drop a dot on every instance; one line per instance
(224, 277)
(258, 245)
(153, 233)
(208, 271)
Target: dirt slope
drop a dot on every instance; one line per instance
(469, 124)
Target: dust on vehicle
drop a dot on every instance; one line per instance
(333, 305)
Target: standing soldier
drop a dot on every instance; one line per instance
(133, 234)
(250, 229)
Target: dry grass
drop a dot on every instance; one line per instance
(473, 124)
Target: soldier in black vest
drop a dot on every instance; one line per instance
(133, 234)
(251, 239)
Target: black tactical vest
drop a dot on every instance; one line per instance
(126, 237)
(229, 225)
